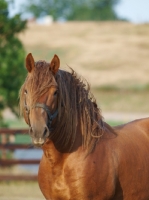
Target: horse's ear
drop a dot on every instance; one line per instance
(30, 64)
(55, 64)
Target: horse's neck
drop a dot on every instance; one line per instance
(51, 153)
(54, 155)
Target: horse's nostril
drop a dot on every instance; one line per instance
(45, 133)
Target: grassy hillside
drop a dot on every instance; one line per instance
(112, 56)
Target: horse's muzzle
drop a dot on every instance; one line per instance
(38, 142)
(39, 137)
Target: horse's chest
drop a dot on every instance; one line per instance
(59, 188)
(60, 184)
(73, 181)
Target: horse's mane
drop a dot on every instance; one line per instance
(76, 106)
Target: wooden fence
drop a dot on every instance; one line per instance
(8, 143)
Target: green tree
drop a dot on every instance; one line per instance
(12, 54)
(74, 10)
(94, 10)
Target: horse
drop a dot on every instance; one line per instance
(84, 158)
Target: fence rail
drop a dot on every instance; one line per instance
(18, 161)
(13, 131)
(6, 145)
(18, 177)
(15, 146)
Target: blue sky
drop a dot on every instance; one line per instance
(136, 11)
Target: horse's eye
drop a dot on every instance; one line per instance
(25, 91)
(55, 93)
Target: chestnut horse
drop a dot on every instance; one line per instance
(83, 157)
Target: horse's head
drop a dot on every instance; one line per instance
(39, 98)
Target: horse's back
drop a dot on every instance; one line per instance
(140, 124)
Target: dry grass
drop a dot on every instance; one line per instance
(109, 53)
(20, 191)
(104, 53)
(123, 101)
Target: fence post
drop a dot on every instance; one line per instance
(4, 141)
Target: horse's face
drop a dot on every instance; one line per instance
(40, 98)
